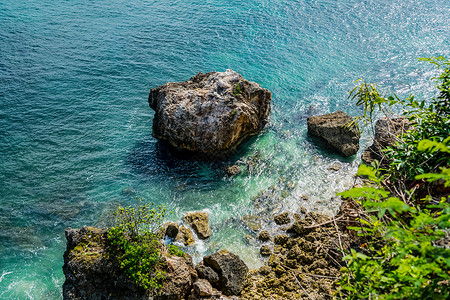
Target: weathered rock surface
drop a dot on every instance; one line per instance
(231, 269)
(305, 265)
(264, 236)
(332, 129)
(91, 273)
(199, 221)
(386, 134)
(210, 113)
(282, 219)
(185, 236)
(171, 229)
(233, 170)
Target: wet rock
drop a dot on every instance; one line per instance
(185, 236)
(171, 229)
(281, 239)
(335, 167)
(206, 272)
(231, 269)
(264, 236)
(202, 288)
(209, 113)
(252, 222)
(332, 129)
(386, 134)
(265, 250)
(233, 170)
(199, 221)
(282, 219)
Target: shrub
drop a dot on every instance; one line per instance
(406, 254)
(134, 243)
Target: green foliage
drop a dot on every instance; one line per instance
(403, 257)
(237, 89)
(430, 121)
(174, 250)
(134, 243)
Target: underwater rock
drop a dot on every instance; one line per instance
(231, 270)
(252, 222)
(386, 134)
(233, 170)
(332, 128)
(335, 167)
(199, 221)
(210, 113)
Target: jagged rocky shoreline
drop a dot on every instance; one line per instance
(211, 114)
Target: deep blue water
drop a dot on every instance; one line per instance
(75, 126)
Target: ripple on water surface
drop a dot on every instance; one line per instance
(75, 138)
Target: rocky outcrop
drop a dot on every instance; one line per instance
(333, 130)
(185, 236)
(210, 113)
(230, 269)
(199, 221)
(171, 229)
(387, 132)
(92, 273)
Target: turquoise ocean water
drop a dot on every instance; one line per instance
(75, 126)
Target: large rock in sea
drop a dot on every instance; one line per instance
(332, 128)
(210, 113)
(387, 131)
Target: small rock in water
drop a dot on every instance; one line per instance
(171, 229)
(264, 236)
(334, 129)
(233, 170)
(199, 221)
(185, 236)
(335, 167)
(282, 219)
(265, 250)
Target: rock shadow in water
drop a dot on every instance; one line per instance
(153, 158)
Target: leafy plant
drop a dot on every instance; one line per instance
(405, 254)
(237, 89)
(428, 120)
(134, 242)
(174, 250)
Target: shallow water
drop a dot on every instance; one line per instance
(75, 137)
